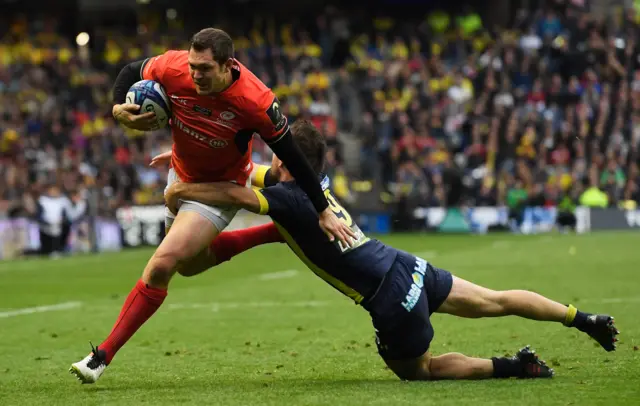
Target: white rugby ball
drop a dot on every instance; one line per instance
(150, 96)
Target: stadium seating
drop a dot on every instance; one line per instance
(540, 111)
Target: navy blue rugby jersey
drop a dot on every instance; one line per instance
(355, 270)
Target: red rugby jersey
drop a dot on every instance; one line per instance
(212, 135)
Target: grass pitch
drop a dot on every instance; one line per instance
(263, 330)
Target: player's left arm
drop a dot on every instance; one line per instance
(273, 127)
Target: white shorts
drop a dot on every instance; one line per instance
(219, 216)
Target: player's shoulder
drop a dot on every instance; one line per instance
(288, 191)
(172, 69)
(284, 188)
(250, 93)
(301, 195)
(172, 59)
(177, 54)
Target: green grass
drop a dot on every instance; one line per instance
(231, 338)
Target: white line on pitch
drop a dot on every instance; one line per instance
(289, 273)
(217, 306)
(39, 309)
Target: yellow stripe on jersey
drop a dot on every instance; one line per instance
(260, 175)
(264, 204)
(333, 281)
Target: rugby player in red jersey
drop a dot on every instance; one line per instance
(217, 105)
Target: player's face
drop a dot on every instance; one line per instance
(276, 167)
(208, 75)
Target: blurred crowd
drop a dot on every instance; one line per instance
(544, 111)
(55, 105)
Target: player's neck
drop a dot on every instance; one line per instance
(228, 81)
(285, 176)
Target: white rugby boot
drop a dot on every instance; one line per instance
(89, 369)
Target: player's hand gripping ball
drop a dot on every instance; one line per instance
(151, 98)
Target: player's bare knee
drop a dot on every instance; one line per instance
(188, 268)
(182, 268)
(490, 302)
(160, 267)
(195, 265)
(499, 300)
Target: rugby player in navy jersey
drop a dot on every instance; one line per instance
(399, 290)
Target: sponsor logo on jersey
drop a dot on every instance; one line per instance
(227, 115)
(416, 287)
(202, 110)
(209, 140)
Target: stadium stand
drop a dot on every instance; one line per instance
(546, 110)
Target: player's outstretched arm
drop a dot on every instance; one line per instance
(214, 194)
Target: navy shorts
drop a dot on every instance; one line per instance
(400, 310)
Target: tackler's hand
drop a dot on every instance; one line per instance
(163, 159)
(334, 228)
(172, 196)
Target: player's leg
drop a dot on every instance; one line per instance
(229, 244)
(525, 364)
(470, 300)
(188, 235)
(447, 366)
(400, 313)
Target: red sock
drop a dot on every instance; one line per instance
(231, 243)
(141, 303)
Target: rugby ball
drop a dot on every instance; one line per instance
(150, 96)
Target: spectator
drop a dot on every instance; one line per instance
(532, 108)
(55, 213)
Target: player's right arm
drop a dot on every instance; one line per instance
(261, 176)
(127, 113)
(270, 201)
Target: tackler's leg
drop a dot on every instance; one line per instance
(524, 364)
(469, 300)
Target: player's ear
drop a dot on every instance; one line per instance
(228, 65)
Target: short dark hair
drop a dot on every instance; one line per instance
(218, 41)
(311, 143)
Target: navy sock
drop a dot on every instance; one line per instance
(580, 320)
(505, 367)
